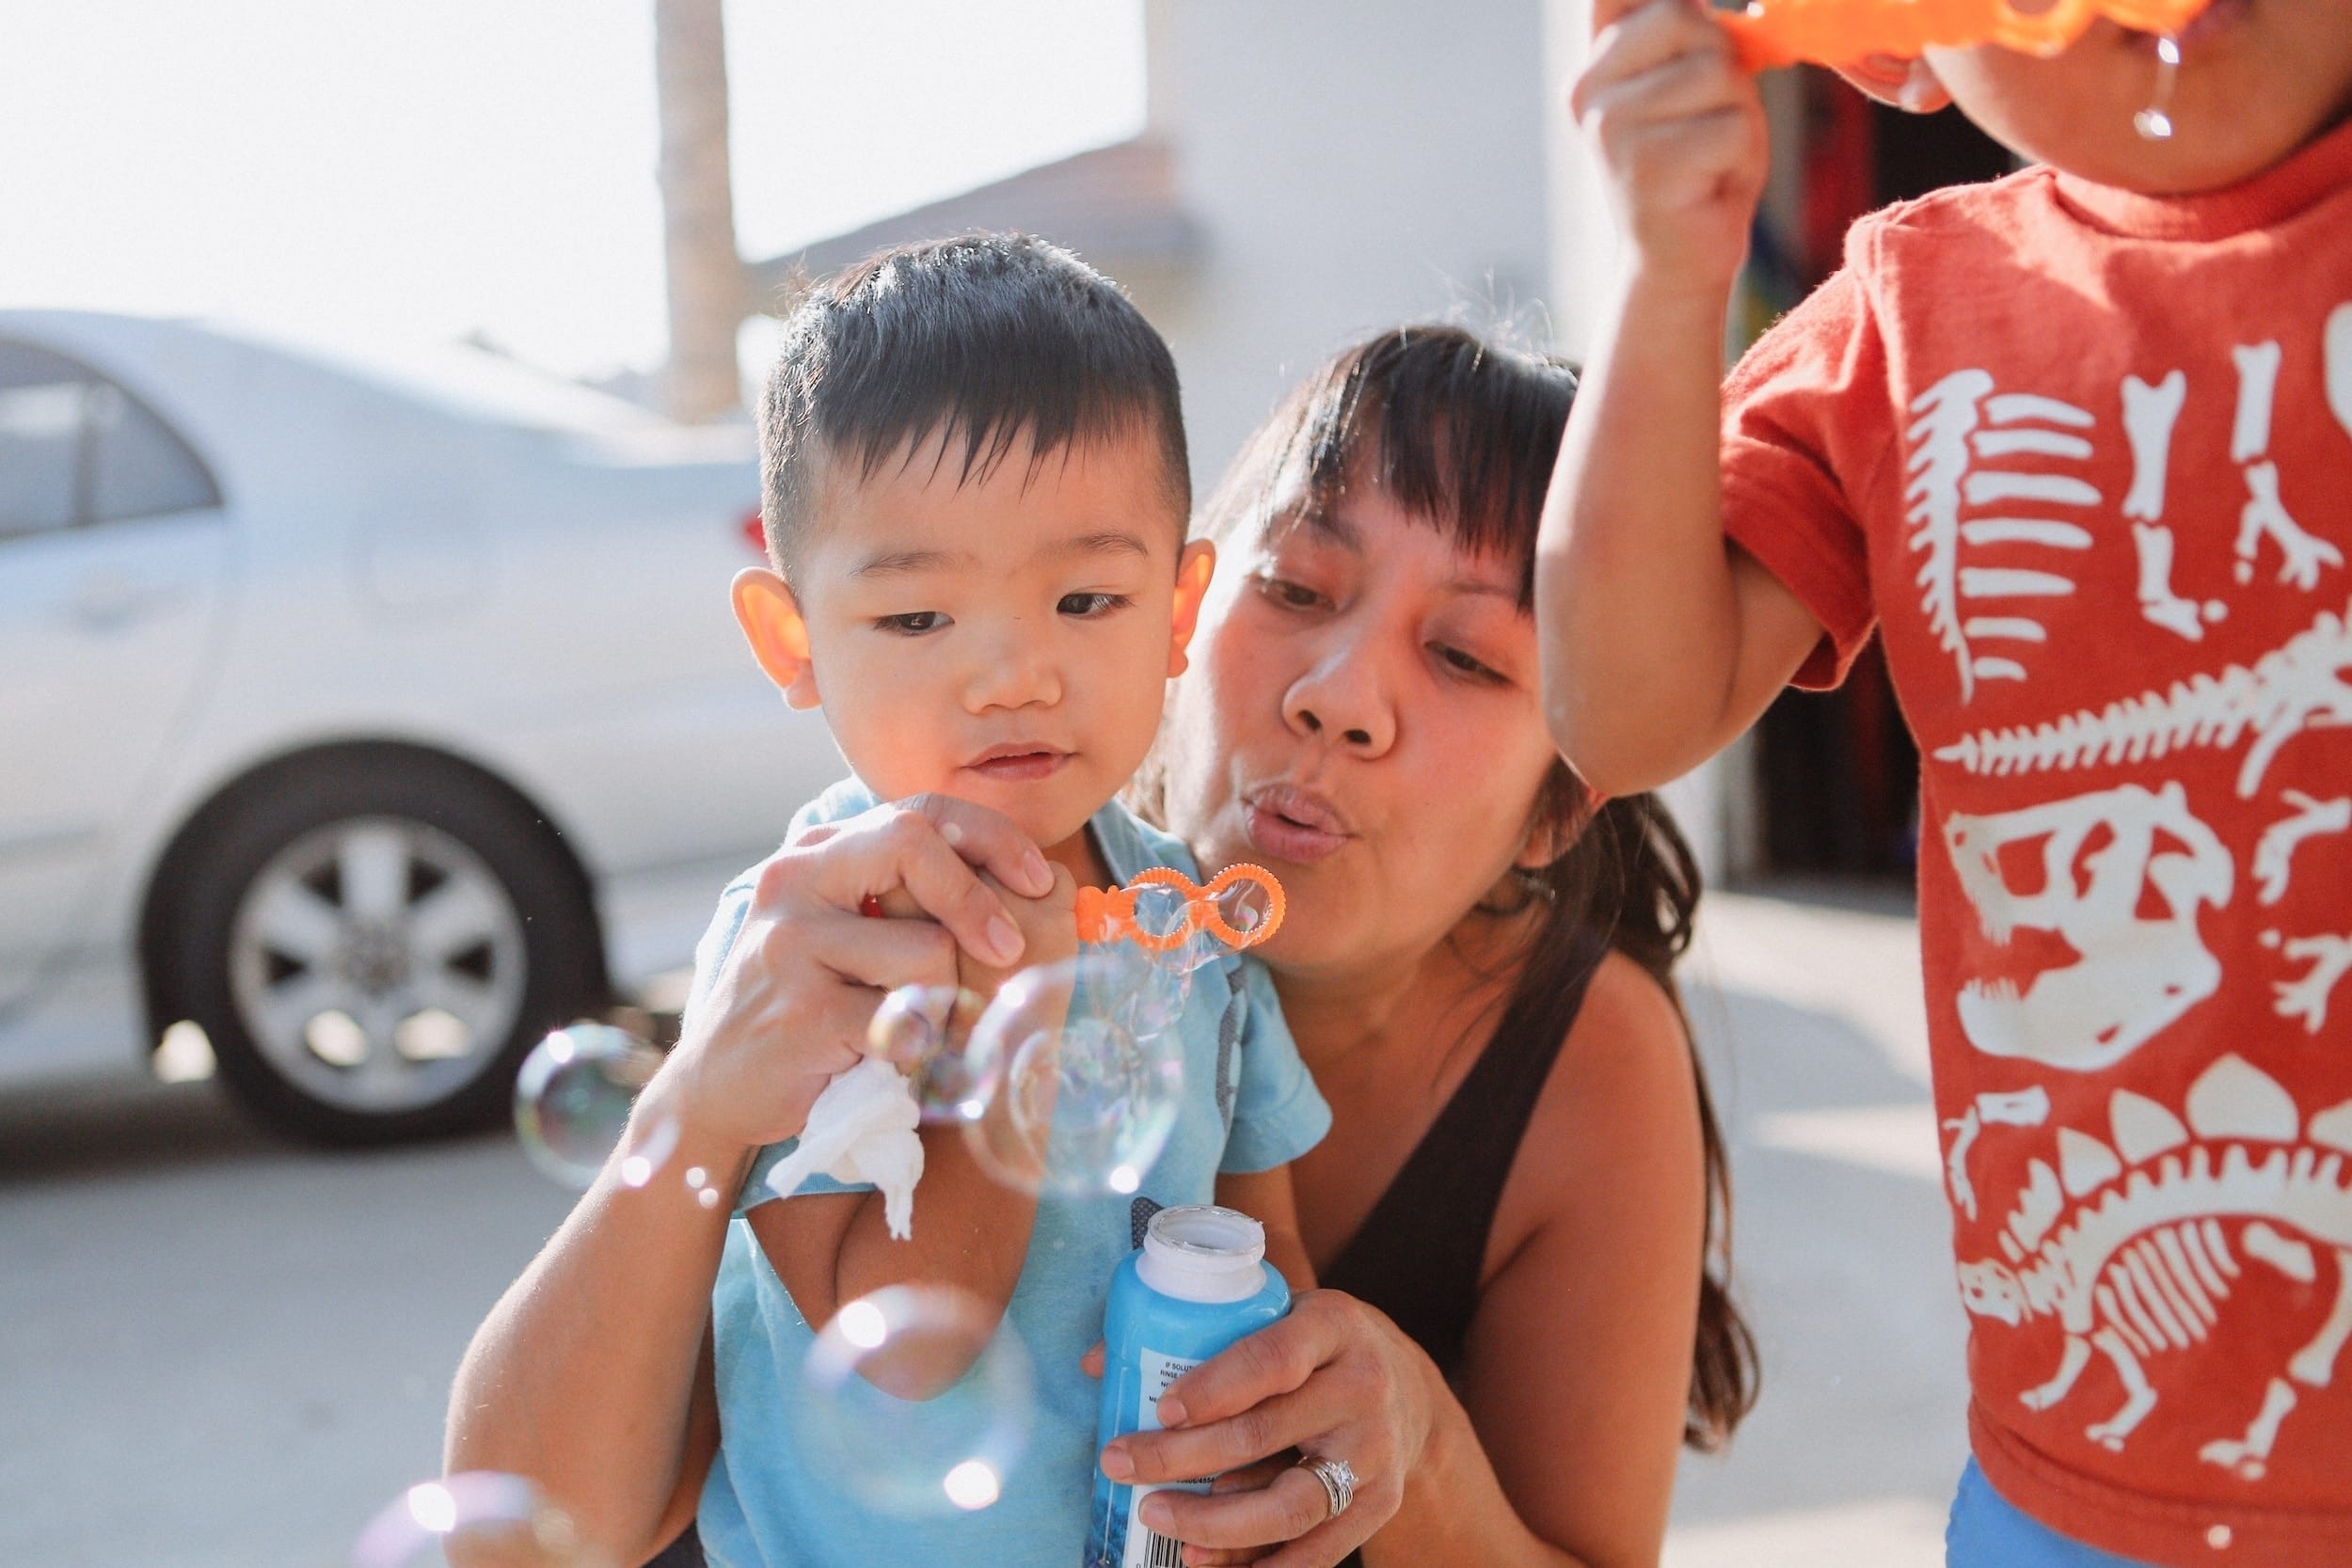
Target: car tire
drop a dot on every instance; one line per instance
(372, 942)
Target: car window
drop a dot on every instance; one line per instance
(75, 447)
(138, 467)
(40, 440)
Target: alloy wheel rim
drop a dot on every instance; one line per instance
(377, 963)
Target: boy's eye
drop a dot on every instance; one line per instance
(1090, 604)
(912, 624)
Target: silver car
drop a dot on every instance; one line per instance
(373, 716)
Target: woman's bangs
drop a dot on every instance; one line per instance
(1461, 435)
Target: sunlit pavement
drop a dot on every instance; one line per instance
(1815, 1039)
(216, 1351)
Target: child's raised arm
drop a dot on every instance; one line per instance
(1660, 641)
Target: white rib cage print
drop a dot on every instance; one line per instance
(1953, 500)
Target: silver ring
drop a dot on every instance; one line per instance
(1338, 1483)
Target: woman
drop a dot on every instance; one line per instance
(1515, 1211)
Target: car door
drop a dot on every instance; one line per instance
(113, 555)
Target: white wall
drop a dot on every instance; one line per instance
(1354, 164)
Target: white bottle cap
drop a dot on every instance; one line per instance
(1199, 1252)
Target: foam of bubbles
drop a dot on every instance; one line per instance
(479, 1519)
(1071, 1098)
(914, 1401)
(572, 1101)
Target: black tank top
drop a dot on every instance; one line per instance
(1420, 1252)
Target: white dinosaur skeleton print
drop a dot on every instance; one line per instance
(2136, 971)
(2024, 1108)
(2136, 1260)
(2274, 857)
(2139, 1238)
(1961, 420)
(1963, 432)
(2303, 686)
(2305, 999)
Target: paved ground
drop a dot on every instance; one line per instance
(219, 1353)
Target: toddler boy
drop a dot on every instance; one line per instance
(976, 497)
(2075, 444)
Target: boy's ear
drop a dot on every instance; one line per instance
(772, 622)
(1193, 570)
(1902, 80)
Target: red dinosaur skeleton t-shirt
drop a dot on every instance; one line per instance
(2085, 459)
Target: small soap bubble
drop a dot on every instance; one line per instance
(706, 1190)
(572, 1101)
(1072, 1099)
(916, 1401)
(925, 1030)
(478, 1519)
(1243, 906)
(651, 1152)
(1162, 913)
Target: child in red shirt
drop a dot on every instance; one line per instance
(2078, 445)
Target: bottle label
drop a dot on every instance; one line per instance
(1144, 1549)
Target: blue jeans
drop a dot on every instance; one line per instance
(1987, 1532)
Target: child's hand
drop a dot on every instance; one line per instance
(1681, 130)
(1049, 934)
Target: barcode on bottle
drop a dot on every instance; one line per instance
(1160, 1552)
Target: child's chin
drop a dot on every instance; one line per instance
(1047, 826)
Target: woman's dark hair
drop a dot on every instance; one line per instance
(1463, 432)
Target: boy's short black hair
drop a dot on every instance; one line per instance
(977, 342)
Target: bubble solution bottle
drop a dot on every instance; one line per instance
(1199, 1283)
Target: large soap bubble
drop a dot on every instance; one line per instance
(1071, 1096)
(916, 1401)
(572, 1103)
(478, 1519)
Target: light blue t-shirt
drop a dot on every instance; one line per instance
(1248, 1105)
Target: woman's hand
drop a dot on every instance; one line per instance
(789, 1004)
(1334, 1380)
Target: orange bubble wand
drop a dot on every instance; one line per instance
(1109, 914)
(1770, 33)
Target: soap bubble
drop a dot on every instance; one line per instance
(916, 1401)
(572, 1101)
(700, 1182)
(1139, 992)
(924, 1030)
(479, 1519)
(1162, 913)
(1169, 934)
(1243, 905)
(1072, 1099)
